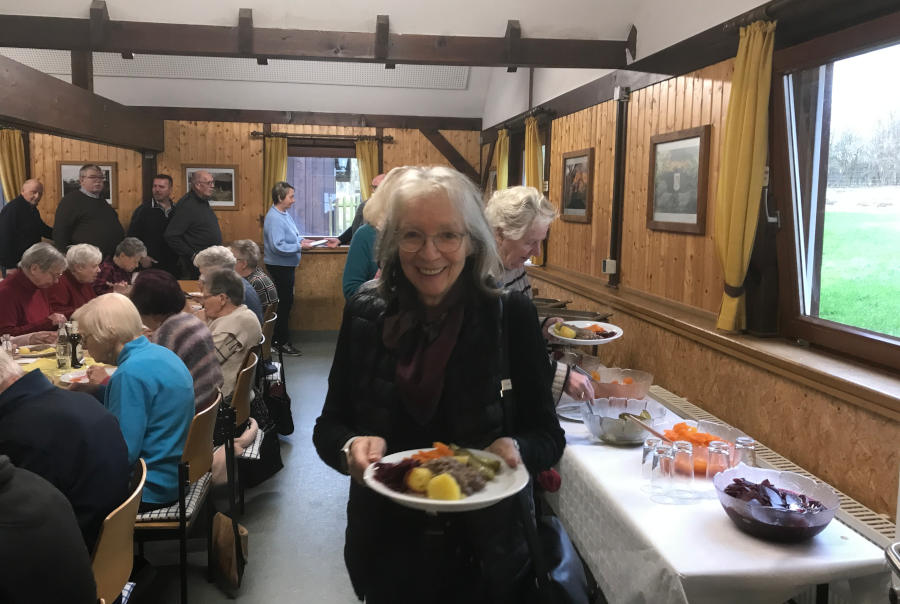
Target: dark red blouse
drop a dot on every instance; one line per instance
(23, 307)
(69, 294)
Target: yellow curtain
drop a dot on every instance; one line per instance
(741, 166)
(367, 160)
(12, 162)
(274, 164)
(502, 155)
(534, 160)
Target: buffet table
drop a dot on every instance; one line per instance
(640, 551)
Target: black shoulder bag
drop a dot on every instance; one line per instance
(560, 574)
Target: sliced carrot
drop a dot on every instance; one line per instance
(628, 380)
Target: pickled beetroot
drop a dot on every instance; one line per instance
(393, 474)
(767, 494)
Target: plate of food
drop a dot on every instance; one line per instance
(445, 479)
(79, 376)
(585, 333)
(33, 352)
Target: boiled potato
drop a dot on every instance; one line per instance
(564, 331)
(24, 350)
(444, 486)
(417, 479)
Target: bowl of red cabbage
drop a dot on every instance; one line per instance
(785, 507)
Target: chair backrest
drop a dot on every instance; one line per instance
(243, 389)
(269, 310)
(268, 330)
(114, 551)
(198, 448)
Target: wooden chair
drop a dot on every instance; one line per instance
(240, 404)
(269, 310)
(265, 349)
(114, 552)
(194, 479)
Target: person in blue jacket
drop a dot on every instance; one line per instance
(151, 392)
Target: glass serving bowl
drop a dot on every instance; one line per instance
(777, 524)
(603, 422)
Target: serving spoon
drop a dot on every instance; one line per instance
(646, 426)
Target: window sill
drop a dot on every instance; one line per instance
(873, 389)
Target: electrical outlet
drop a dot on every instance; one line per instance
(608, 266)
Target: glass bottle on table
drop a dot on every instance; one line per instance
(62, 348)
(75, 344)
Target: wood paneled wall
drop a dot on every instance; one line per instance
(676, 266)
(411, 148)
(226, 143)
(47, 150)
(575, 245)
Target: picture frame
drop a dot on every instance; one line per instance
(69, 181)
(678, 181)
(226, 177)
(577, 185)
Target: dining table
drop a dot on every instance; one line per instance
(640, 551)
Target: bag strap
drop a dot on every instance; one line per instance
(524, 497)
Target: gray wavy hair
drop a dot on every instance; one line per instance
(280, 191)
(512, 211)
(83, 254)
(131, 247)
(225, 281)
(246, 250)
(215, 256)
(44, 255)
(411, 182)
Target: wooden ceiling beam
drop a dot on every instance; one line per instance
(245, 31)
(38, 101)
(99, 22)
(83, 69)
(222, 41)
(450, 152)
(513, 42)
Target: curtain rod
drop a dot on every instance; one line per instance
(322, 137)
(519, 120)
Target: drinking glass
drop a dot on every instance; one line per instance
(683, 471)
(661, 474)
(719, 458)
(649, 459)
(7, 343)
(744, 451)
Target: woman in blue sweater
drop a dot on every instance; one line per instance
(151, 393)
(282, 243)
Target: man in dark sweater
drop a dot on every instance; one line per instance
(149, 222)
(41, 553)
(21, 225)
(85, 217)
(193, 225)
(67, 438)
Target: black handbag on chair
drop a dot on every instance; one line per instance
(558, 568)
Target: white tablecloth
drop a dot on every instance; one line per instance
(641, 552)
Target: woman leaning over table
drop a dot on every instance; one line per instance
(417, 361)
(151, 393)
(160, 301)
(24, 306)
(75, 287)
(520, 218)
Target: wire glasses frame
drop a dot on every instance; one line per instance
(411, 241)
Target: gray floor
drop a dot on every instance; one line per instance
(295, 519)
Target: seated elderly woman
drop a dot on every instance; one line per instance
(520, 218)
(247, 257)
(160, 301)
(151, 393)
(75, 287)
(24, 306)
(218, 257)
(116, 272)
(234, 327)
(418, 360)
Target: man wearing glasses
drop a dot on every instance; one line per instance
(193, 225)
(84, 216)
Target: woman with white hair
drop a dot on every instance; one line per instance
(117, 271)
(151, 393)
(521, 217)
(24, 306)
(418, 360)
(218, 256)
(75, 287)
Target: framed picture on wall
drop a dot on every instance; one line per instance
(69, 181)
(225, 187)
(679, 173)
(577, 185)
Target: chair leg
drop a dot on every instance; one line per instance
(240, 486)
(209, 532)
(183, 564)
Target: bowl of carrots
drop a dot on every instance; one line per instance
(612, 382)
(700, 434)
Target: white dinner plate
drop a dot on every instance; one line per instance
(570, 411)
(35, 352)
(79, 376)
(585, 324)
(506, 483)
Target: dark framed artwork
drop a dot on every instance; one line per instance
(69, 181)
(226, 179)
(679, 178)
(577, 185)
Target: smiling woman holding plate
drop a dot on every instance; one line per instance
(418, 361)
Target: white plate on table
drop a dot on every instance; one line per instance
(79, 376)
(570, 412)
(36, 352)
(506, 483)
(584, 325)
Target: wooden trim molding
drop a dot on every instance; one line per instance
(872, 389)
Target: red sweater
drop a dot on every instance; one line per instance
(23, 307)
(69, 294)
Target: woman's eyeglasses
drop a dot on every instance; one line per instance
(412, 241)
